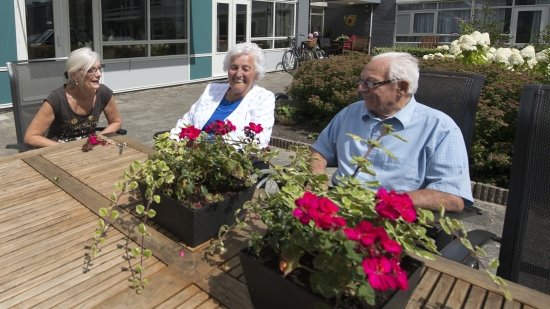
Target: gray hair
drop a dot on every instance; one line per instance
(247, 48)
(402, 66)
(80, 59)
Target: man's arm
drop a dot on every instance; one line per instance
(318, 162)
(433, 199)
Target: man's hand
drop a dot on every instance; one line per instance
(433, 199)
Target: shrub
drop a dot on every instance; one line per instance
(415, 51)
(324, 87)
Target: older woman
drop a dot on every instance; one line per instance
(72, 111)
(239, 100)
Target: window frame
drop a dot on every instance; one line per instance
(148, 41)
(273, 39)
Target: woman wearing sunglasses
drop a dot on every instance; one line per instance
(72, 111)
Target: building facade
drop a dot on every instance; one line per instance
(404, 22)
(147, 43)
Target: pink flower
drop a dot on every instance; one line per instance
(190, 133)
(181, 253)
(393, 205)
(379, 272)
(93, 140)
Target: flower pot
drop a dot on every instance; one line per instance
(195, 226)
(269, 289)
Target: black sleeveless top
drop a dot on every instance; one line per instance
(67, 125)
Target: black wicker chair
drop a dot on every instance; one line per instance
(31, 82)
(456, 94)
(525, 244)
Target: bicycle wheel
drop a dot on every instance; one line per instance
(290, 62)
(318, 53)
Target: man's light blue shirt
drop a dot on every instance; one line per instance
(433, 157)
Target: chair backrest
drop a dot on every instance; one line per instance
(31, 82)
(456, 94)
(360, 44)
(525, 248)
(429, 41)
(324, 43)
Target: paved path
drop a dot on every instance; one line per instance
(148, 111)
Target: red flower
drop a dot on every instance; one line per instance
(256, 128)
(319, 209)
(374, 238)
(392, 205)
(219, 127)
(190, 133)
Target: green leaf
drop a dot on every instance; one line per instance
(147, 253)
(136, 251)
(151, 213)
(103, 212)
(114, 214)
(142, 229)
(138, 269)
(140, 209)
(156, 199)
(101, 223)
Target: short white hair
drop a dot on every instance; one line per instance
(402, 66)
(247, 48)
(81, 59)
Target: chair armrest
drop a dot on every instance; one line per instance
(455, 251)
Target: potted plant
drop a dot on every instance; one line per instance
(346, 247)
(201, 179)
(191, 186)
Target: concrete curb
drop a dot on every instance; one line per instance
(480, 191)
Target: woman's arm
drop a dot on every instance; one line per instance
(38, 127)
(113, 117)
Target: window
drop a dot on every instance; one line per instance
(272, 23)
(423, 23)
(316, 19)
(447, 21)
(143, 28)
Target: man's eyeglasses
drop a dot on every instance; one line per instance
(93, 70)
(370, 84)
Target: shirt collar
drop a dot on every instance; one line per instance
(403, 117)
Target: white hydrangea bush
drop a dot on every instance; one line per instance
(475, 48)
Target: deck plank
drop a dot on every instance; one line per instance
(180, 297)
(163, 285)
(476, 298)
(228, 290)
(458, 294)
(424, 288)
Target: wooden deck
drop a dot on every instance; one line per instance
(48, 204)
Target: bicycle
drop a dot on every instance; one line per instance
(293, 56)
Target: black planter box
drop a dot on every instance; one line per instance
(195, 226)
(269, 289)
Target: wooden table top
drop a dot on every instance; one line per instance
(48, 204)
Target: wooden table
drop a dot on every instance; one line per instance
(48, 204)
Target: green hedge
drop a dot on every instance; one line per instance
(323, 87)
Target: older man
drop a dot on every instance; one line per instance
(431, 166)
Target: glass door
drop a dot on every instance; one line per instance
(43, 22)
(231, 26)
(81, 24)
(527, 23)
